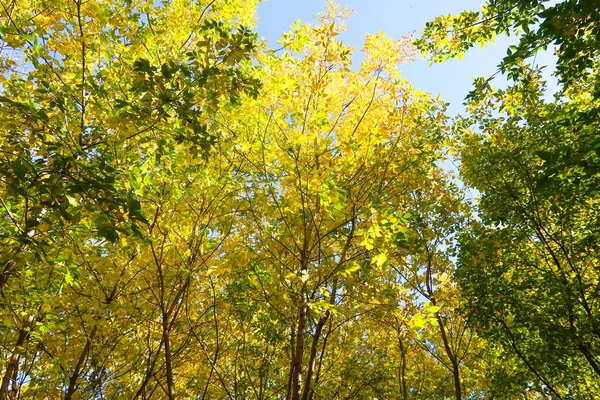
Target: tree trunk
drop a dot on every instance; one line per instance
(168, 362)
(80, 363)
(402, 372)
(451, 356)
(12, 368)
(297, 366)
(313, 355)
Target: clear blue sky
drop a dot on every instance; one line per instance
(452, 80)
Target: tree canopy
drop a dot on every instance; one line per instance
(187, 213)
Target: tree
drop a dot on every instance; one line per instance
(327, 166)
(78, 97)
(98, 96)
(329, 191)
(570, 28)
(569, 25)
(527, 265)
(170, 231)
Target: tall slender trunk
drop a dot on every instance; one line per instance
(321, 356)
(12, 367)
(168, 361)
(450, 354)
(302, 318)
(165, 315)
(292, 353)
(297, 361)
(402, 371)
(307, 391)
(447, 347)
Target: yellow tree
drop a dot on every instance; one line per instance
(99, 99)
(169, 232)
(330, 156)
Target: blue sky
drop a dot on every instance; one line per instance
(452, 79)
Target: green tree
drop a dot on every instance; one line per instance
(568, 27)
(529, 267)
(528, 264)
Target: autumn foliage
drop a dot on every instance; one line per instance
(188, 214)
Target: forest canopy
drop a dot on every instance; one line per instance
(190, 214)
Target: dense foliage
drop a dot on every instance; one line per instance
(187, 214)
(528, 264)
